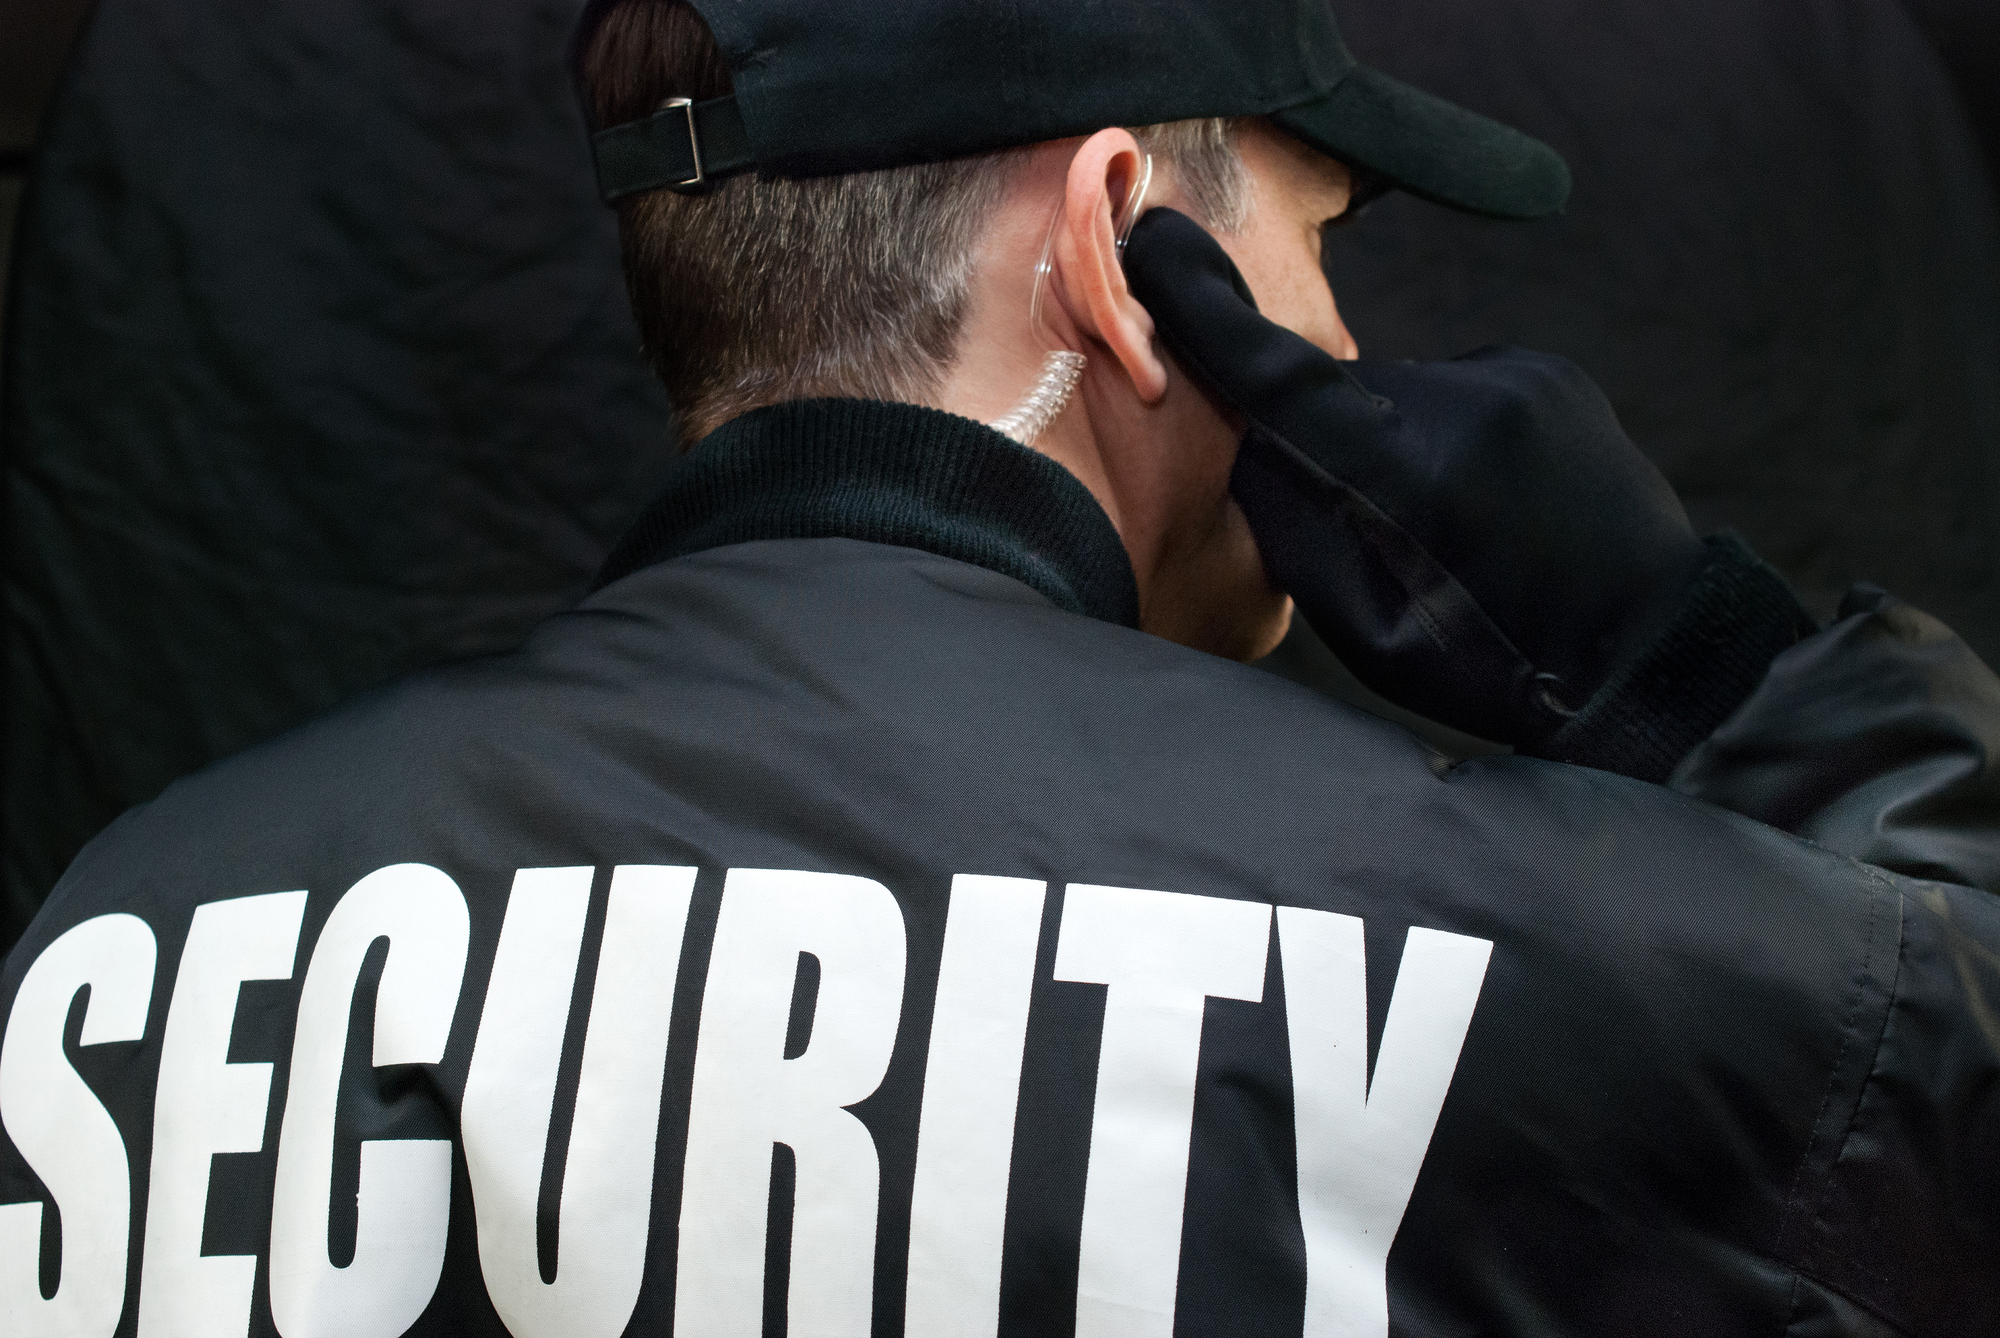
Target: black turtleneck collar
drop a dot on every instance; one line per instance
(889, 474)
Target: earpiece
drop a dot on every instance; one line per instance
(1062, 369)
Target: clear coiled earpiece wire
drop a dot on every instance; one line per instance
(1061, 369)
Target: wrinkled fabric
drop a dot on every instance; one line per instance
(1717, 1080)
(1878, 738)
(1713, 1078)
(319, 367)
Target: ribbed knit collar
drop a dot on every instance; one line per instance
(889, 474)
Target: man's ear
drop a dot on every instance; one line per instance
(1088, 271)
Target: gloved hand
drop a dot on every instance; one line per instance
(1478, 540)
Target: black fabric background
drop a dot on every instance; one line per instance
(319, 366)
(1967, 36)
(1780, 262)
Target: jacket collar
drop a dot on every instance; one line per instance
(889, 474)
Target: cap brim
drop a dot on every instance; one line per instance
(1431, 147)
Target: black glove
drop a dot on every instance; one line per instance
(1477, 540)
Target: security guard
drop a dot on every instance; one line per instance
(884, 905)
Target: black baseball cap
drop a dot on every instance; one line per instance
(830, 86)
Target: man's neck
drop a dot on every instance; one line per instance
(1161, 473)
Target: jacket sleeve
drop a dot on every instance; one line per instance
(1878, 738)
(1896, 1203)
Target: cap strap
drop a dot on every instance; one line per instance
(682, 146)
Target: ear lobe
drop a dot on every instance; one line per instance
(1090, 272)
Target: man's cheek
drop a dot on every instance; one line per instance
(1302, 302)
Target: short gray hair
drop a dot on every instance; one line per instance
(760, 291)
(1208, 167)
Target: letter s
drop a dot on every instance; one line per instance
(65, 1134)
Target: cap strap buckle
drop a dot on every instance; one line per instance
(683, 146)
(694, 143)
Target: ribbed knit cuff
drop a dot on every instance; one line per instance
(1739, 615)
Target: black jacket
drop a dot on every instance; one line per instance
(845, 913)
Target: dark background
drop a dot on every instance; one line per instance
(35, 36)
(317, 367)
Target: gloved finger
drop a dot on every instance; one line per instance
(1209, 321)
